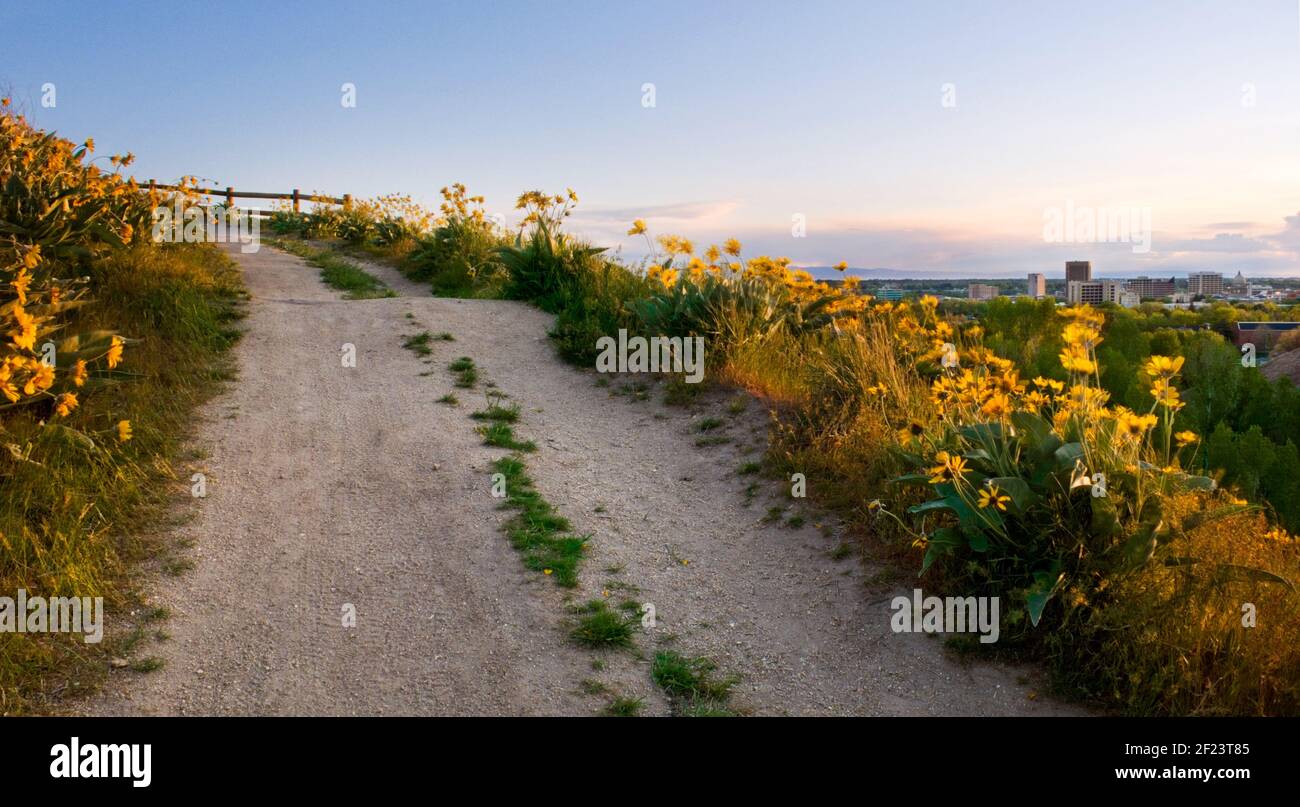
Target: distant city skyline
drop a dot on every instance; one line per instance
(959, 140)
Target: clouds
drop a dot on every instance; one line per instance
(1230, 246)
(677, 212)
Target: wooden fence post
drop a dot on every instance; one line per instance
(230, 197)
(295, 200)
(347, 201)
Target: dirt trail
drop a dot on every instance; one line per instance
(332, 485)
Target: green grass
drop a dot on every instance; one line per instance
(708, 424)
(706, 440)
(79, 522)
(465, 371)
(500, 435)
(337, 271)
(497, 413)
(692, 686)
(450, 399)
(624, 707)
(592, 687)
(600, 626)
(545, 537)
(147, 665)
(749, 468)
(419, 343)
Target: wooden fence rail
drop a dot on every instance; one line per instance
(296, 196)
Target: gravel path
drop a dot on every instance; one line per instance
(332, 485)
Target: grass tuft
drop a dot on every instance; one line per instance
(602, 627)
(545, 537)
(337, 271)
(500, 435)
(691, 684)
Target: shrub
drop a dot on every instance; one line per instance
(459, 257)
(287, 222)
(589, 294)
(89, 429)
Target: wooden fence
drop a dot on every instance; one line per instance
(230, 194)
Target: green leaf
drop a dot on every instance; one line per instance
(911, 479)
(1067, 454)
(1105, 520)
(983, 432)
(1038, 595)
(1139, 548)
(930, 506)
(1231, 571)
(1200, 483)
(1033, 426)
(940, 542)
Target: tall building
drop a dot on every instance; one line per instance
(1078, 270)
(1083, 291)
(981, 291)
(1113, 291)
(1037, 285)
(1206, 284)
(1095, 292)
(1147, 287)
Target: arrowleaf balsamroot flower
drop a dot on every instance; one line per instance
(991, 496)
(65, 404)
(114, 355)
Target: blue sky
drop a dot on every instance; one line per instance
(763, 111)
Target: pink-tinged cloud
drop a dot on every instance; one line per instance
(962, 252)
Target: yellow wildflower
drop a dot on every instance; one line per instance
(1164, 366)
(65, 404)
(115, 349)
(992, 496)
(949, 468)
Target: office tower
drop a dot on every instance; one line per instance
(1206, 284)
(1037, 285)
(1147, 287)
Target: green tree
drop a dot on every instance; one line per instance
(1212, 378)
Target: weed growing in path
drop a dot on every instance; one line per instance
(338, 272)
(601, 626)
(624, 707)
(419, 343)
(500, 435)
(544, 536)
(466, 372)
(690, 682)
(497, 413)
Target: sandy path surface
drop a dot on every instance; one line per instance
(332, 485)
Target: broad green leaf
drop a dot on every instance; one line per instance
(1038, 595)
